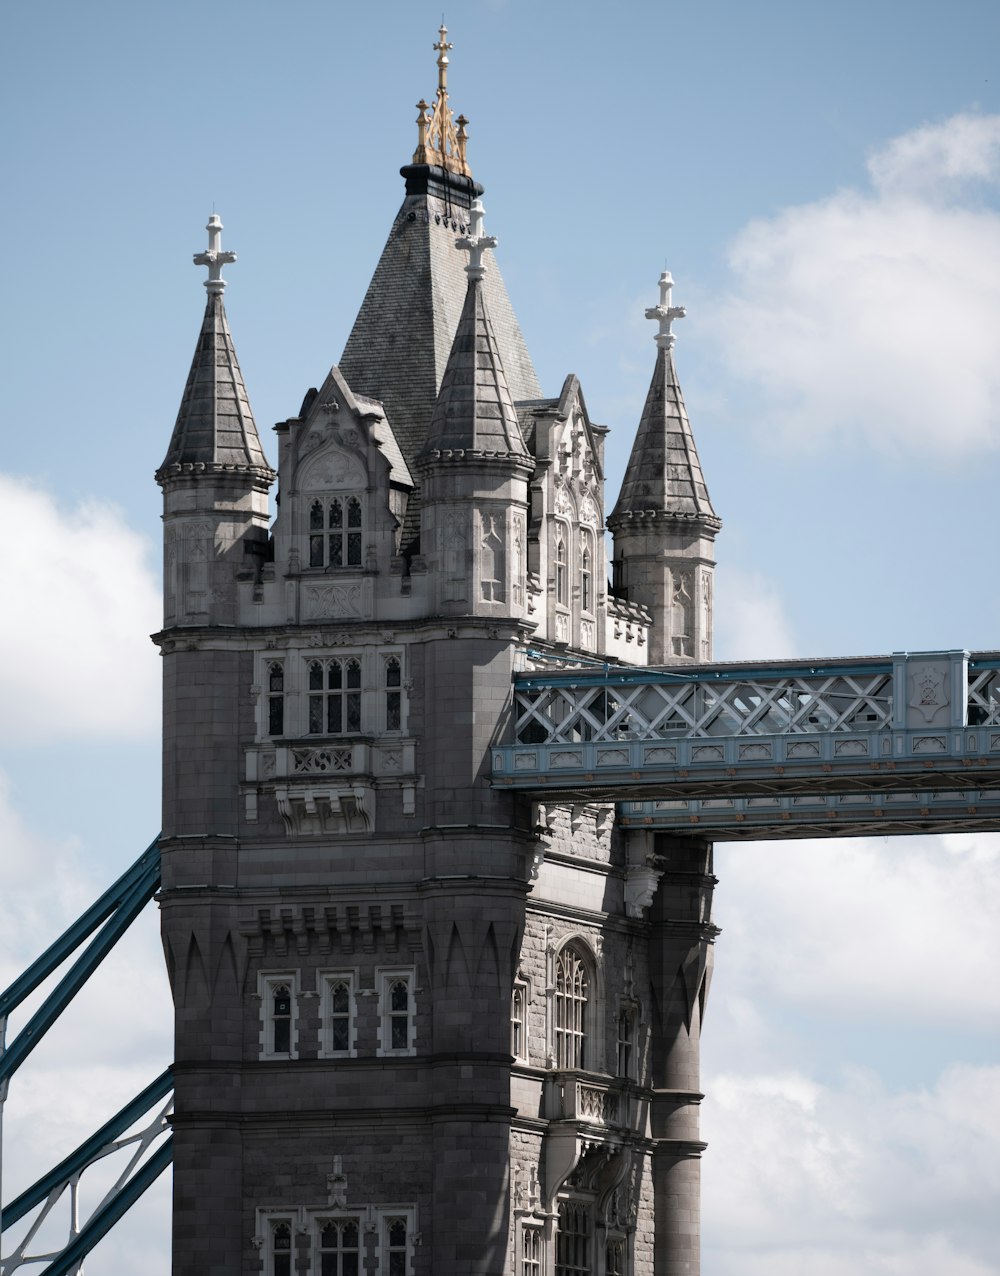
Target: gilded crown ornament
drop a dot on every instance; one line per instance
(441, 139)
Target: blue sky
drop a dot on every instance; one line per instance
(823, 183)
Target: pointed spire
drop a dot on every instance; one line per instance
(441, 139)
(664, 477)
(474, 413)
(215, 428)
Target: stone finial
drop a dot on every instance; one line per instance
(439, 141)
(214, 258)
(476, 243)
(665, 313)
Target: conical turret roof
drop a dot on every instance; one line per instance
(402, 338)
(215, 427)
(474, 412)
(664, 478)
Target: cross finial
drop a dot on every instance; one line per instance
(665, 312)
(442, 47)
(475, 242)
(214, 258)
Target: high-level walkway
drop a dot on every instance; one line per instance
(908, 743)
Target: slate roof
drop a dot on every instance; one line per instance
(474, 413)
(215, 425)
(664, 477)
(399, 346)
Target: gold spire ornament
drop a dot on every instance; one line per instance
(441, 139)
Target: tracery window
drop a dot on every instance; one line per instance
(335, 527)
(340, 1247)
(614, 1264)
(281, 1249)
(626, 1042)
(335, 696)
(571, 997)
(339, 1015)
(573, 1240)
(393, 693)
(396, 1245)
(397, 1013)
(276, 698)
(518, 1021)
(531, 1251)
(587, 572)
(278, 1013)
(561, 565)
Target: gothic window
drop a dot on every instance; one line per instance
(614, 1264)
(276, 699)
(571, 997)
(531, 1251)
(281, 1249)
(397, 1013)
(492, 559)
(335, 527)
(339, 1016)
(519, 1021)
(626, 1042)
(340, 1247)
(279, 1020)
(393, 694)
(573, 1240)
(397, 1248)
(335, 696)
(561, 565)
(587, 572)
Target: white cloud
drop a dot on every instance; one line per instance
(114, 1038)
(887, 929)
(79, 603)
(870, 317)
(750, 621)
(852, 1180)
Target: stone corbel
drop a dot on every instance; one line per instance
(640, 887)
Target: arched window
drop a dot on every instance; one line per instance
(276, 699)
(281, 1018)
(573, 1240)
(335, 529)
(334, 697)
(397, 1248)
(518, 1024)
(393, 695)
(561, 565)
(339, 1248)
(572, 996)
(586, 572)
(626, 1042)
(281, 1249)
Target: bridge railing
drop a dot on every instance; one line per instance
(613, 704)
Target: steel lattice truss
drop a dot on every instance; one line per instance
(907, 743)
(655, 710)
(141, 1155)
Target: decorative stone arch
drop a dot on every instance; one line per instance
(563, 995)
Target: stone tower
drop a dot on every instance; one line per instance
(423, 1028)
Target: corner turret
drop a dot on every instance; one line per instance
(475, 464)
(215, 477)
(663, 524)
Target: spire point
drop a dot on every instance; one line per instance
(441, 139)
(214, 258)
(475, 242)
(665, 313)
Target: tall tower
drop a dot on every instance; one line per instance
(423, 1028)
(663, 523)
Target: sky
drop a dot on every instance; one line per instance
(824, 184)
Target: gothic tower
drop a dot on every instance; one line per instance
(663, 524)
(423, 1028)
